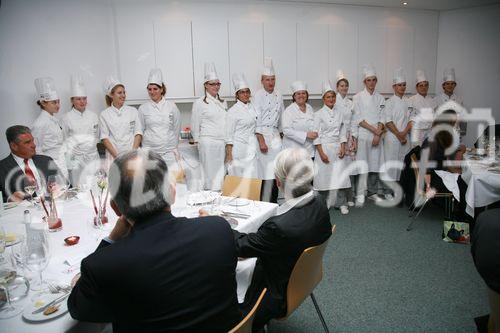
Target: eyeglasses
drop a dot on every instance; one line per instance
(214, 84)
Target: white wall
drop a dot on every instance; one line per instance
(469, 41)
(51, 38)
(96, 38)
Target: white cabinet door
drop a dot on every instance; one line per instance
(246, 48)
(174, 57)
(136, 56)
(399, 53)
(210, 44)
(371, 50)
(343, 48)
(313, 55)
(280, 43)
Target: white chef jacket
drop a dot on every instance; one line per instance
(161, 125)
(330, 125)
(346, 106)
(208, 120)
(49, 138)
(296, 124)
(240, 132)
(442, 98)
(419, 103)
(370, 109)
(81, 134)
(269, 108)
(120, 126)
(399, 111)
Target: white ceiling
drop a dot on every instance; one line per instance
(414, 4)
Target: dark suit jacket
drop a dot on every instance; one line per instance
(12, 178)
(169, 275)
(280, 241)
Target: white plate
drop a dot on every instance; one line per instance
(46, 299)
(10, 205)
(18, 239)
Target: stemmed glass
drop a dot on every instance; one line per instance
(30, 189)
(36, 252)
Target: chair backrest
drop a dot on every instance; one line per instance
(245, 326)
(306, 274)
(247, 188)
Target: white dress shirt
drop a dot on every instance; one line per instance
(31, 164)
(296, 124)
(208, 120)
(161, 125)
(423, 107)
(269, 108)
(81, 134)
(120, 126)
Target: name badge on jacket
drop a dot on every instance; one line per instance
(132, 125)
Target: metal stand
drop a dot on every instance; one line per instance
(319, 313)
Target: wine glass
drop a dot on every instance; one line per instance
(36, 252)
(3, 241)
(12, 288)
(30, 189)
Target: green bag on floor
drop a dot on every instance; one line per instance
(456, 232)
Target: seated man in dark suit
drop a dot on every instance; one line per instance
(156, 272)
(485, 249)
(23, 167)
(301, 222)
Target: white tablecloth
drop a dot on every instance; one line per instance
(483, 185)
(76, 215)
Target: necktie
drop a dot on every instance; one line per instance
(29, 173)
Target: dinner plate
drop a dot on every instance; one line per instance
(10, 205)
(13, 239)
(45, 299)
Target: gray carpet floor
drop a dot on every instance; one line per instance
(380, 278)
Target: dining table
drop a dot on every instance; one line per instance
(77, 216)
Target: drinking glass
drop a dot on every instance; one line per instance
(36, 252)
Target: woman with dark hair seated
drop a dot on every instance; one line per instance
(441, 155)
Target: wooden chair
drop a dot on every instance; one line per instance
(247, 188)
(245, 326)
(306, 275)
(420, 193)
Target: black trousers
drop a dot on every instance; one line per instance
(459, 212)
(270, 307)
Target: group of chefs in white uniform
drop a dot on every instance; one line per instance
(350, 141)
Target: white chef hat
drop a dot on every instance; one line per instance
(298, 86)
(268, 67)
(420, 76)
(368, 71)
(155, 77)
(77, 86)
(239, 82)
(399, 76)
(449, 75)
(340, 75)
(326, 87)
(109, 83)
(210, 72)
(46, 89)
